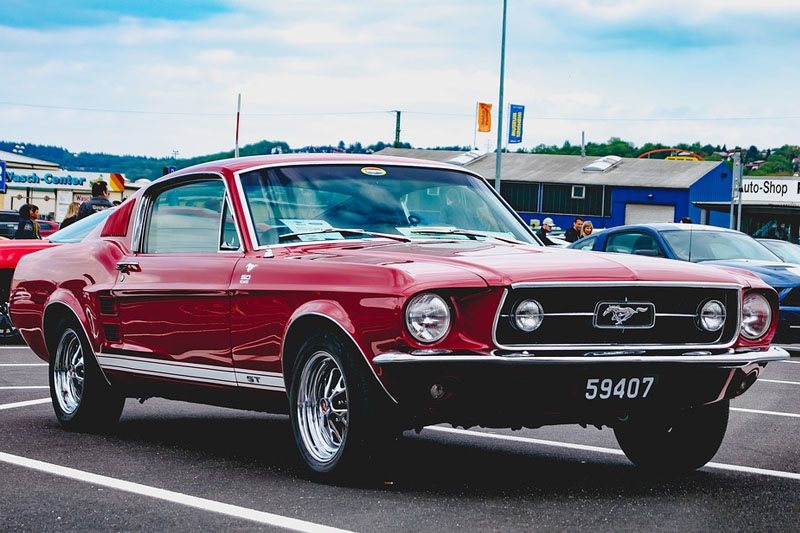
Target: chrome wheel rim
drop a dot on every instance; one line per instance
(69, 372)
(322, 407)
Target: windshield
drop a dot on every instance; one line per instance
(77, 231)
(305, 202)
(785, 250)
(709, 245)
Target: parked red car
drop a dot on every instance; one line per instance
(366, 295)
(12, 250)
(48, 227)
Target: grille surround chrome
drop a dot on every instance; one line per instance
(634, 286)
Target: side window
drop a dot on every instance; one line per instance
(187, 218)
(633, 243)
(585, 243)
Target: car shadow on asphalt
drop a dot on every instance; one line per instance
(246, 443)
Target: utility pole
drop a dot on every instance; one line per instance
(735, 183)
(500, 103)
(397, 128)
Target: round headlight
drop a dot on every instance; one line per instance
(756, 316)
(427, 317)
(712, 316)
(528, 315)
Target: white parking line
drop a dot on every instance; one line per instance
(170, 496)
(756, 411)
(19, 387)
(23, 364)
(23, 404)
(790, 362)
(20, 347)
(780, 381)
(610, 451)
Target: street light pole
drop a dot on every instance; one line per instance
(498, 158)
(735, 183)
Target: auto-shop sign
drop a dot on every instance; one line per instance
(60, 179)
(771, 190)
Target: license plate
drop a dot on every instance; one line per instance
(619, 388)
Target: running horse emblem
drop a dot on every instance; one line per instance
(621, 314)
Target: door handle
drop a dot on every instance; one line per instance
(128, 266)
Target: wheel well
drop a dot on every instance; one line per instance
(52, 316)
(299, 332)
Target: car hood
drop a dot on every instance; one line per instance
(500, 264)
(777, 274)
(12, 250)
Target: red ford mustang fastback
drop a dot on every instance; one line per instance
(367, 295)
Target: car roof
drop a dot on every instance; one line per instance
(661, 226)
(245, 163)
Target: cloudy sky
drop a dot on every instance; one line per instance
(127, 77)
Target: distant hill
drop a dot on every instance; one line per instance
(778, 161)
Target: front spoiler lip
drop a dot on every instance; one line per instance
(773, 353)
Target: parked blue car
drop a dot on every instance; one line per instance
(712, 245)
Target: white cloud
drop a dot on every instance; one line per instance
(314, 73)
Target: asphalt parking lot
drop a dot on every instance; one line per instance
(173, 466)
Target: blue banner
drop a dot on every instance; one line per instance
(517, 113)
(3, 177)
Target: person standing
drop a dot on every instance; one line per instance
(99, 200)
(28, 228)
(547, 227)
(72, 214)
(586, 229)
(574, 233)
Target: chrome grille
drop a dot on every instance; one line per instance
(666, 315)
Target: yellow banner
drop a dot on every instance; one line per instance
(484, 117)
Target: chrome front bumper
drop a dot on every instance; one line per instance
(733, 358)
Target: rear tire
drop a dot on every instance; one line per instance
(340, 419)
(679, 443)
(82, 399)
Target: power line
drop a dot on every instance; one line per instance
(530, 116)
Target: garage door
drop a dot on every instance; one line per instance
(647, 213)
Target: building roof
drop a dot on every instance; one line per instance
(568, 169)
(22, 161)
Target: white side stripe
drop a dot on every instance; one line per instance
(170, 496)
(610, 451)
(198, 373)
(23, 404)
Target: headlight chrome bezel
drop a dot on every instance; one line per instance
(754, 329)
(711, 316)
(528, 315)
(428, 318)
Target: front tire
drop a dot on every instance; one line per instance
(82, 399)
(338, 416)
(680, 442)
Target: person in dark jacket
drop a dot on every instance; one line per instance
(27, 227)
(547, 227)
(99, 200)
(574, 233)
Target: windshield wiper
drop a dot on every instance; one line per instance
(343, 231)
(472, 235)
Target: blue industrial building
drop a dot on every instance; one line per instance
(609, 191)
